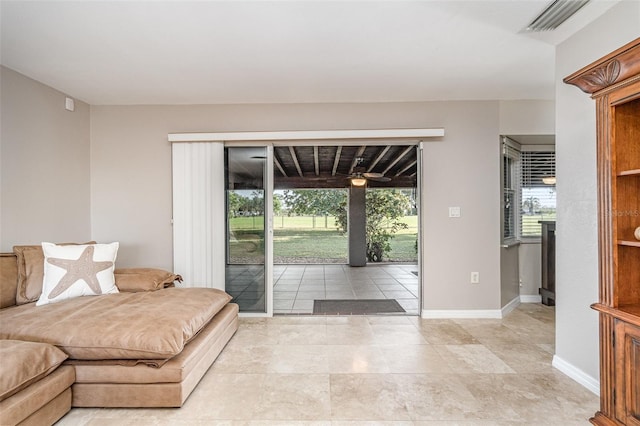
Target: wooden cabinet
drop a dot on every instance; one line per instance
(627, 359)
(548, 286)
(614, 83)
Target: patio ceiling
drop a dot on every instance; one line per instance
(332, 166)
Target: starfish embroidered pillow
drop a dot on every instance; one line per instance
(74, 271)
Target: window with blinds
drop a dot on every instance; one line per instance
(510, 192)
(537, 191)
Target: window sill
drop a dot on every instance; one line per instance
(509, 244)
(531, 240)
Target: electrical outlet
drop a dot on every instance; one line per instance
(475, 277)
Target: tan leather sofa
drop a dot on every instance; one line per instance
(101, 379)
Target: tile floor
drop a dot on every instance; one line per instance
(297, 286)
(386, 370)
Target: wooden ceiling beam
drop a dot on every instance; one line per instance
(378, 158)
(336, 160)
(354, 162)
(404, 169)
(295, 160)
(279, 166)
(398, 158)
(316, 163)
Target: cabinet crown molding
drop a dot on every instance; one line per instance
(611, 69)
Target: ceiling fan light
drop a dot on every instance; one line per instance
(358, 181)
(549, 180)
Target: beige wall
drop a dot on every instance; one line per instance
(509, 274)
(131, 180)
(524, 118)
(527, 117)
(44, 153)
(530, 265)
(576, 240)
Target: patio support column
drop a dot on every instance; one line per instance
(357, 226)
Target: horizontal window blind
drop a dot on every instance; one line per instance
(510, 182)
(538, 191)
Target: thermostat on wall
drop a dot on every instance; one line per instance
(454, 211)
(69, 105)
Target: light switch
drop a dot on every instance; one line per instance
(454, 211)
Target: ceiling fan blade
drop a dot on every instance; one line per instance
(372, 175)
(380, 179)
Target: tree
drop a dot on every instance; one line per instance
(384, 210)
(277, 204)
(234, 200)
(315, 202)
(531, 204)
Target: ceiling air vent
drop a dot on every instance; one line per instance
(555, 14)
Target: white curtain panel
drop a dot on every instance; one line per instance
(199, 233)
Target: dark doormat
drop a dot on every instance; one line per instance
(356, 307)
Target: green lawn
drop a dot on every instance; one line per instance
(530, 225)
(304, 237)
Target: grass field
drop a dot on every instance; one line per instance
(304, 237)
(530, 225)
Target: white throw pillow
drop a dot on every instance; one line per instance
(74, 271)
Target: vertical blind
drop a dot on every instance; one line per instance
(199, 232)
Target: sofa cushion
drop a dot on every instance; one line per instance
(30, 263)
(144, 325)
(24, 363)
(8, 279)
(144, 279)
(32, 405)
(77, 270)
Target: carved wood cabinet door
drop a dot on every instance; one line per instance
(627, 388)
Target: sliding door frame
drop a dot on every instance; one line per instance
(318, 138)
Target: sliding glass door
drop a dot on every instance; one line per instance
(248, 222)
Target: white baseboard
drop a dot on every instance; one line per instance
(576, 374)
(453, 314)
(506, 309)
(530, 298)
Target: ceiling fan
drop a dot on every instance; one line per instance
(359, 176)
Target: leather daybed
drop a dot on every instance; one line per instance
(127, 349)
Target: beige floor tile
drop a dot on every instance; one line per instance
(445, 332)
(254, 334)
(490, 331)
(414, 359)
(300, 359)
(350, 334)
(356, 359)
(225, 397)
(396, 335)
(238, 358)
(528, 398)
(438, 397)
(288, 423)
(294, 397)
(472, 359)
(523, 358)
(367, 397)
(301, 334)
(378, 370)
(390, 319)
(78, 417)
(370, 423)
(347, 320)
